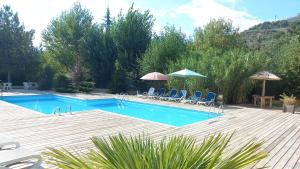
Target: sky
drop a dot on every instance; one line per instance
(184, 14)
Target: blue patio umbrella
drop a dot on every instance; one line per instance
(184, 73)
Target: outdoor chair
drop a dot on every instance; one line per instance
(209, 100)
(180, 96)
(173, 93)
(195, 98)
(161, 92)
(8, 144)
(19, 158)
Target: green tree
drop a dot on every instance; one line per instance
(64, 38)
(107, 20)
(220, 35)
(120, 80)
(132, 34)
(216, 52)
(288, 67)
(165, 48)
(175, 152)
(17, 54)
(100, 54)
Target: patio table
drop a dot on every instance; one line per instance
(262, 100)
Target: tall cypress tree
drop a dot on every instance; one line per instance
(107, 20)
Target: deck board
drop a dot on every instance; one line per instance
(279, 131)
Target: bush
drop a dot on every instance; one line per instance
(86, 86)
(46, 78)
(62, 83)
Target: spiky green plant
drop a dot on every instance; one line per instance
(180, 152)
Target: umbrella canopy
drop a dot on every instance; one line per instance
(155, 76)
(264, 75)
(186, 73)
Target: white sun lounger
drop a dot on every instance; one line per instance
(6, 144)
(19, 157)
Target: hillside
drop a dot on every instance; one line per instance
(260, 35)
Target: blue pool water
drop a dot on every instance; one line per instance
(157, 113)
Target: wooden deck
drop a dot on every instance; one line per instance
(280, 131)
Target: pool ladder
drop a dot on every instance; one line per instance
(212, 108)
(120, 99)
(57, 110)
(69, 109)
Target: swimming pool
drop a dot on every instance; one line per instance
(48, 104)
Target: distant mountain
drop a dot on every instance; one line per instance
(261, 34)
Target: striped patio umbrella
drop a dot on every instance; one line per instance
(155, 76)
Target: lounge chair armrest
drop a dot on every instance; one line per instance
(18, 156)
(9, 145)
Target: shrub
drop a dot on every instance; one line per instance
(86, 86)
(175, 152)
(46, 78)
(62, 83)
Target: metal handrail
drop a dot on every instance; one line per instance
(57, 110)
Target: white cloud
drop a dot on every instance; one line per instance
(202, 11)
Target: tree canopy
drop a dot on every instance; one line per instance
(17, 54)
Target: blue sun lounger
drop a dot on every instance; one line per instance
(180, 96)
(209, 100)
(172, 94)
(161, 93)
(195, 98)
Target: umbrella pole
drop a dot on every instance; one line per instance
(263, 88)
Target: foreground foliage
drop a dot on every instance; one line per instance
(120, 152)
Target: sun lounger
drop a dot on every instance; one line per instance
(147, 94)
(161, 93)
(172, 94)
(194, 99)
(7, 144)
(20, 157)
(7, 86)
(181, 96)
(209, 100)
(151, 93)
